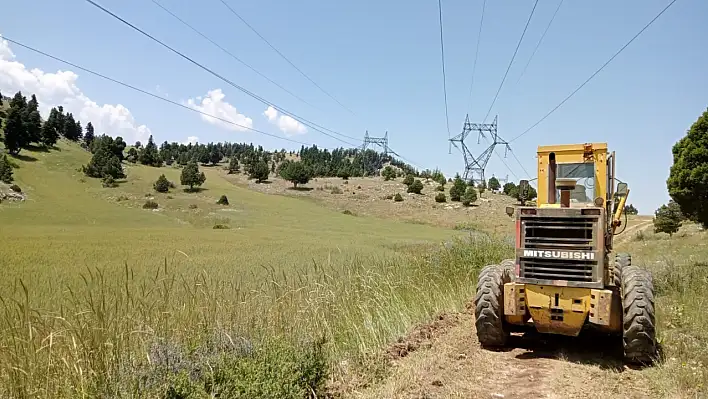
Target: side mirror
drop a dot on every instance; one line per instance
(621, 189)
(510, 211)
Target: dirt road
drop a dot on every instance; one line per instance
(452, 365)
(632, 229)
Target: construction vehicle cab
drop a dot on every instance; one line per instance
(563, 278)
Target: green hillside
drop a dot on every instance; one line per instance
(99, 269)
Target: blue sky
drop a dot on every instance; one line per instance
(382, 60)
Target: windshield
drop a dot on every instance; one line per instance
(584, 176)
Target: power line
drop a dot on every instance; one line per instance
(284, 57)
(596, 72)
(512, 60)
(442, 54)
(540, 41)
(145, 92)
(228, 52)
(163, 98)
(476, 52)
(257, 97)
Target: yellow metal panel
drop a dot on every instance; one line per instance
(558, 310)
(514, 299)
(515, 303)
(600, 307)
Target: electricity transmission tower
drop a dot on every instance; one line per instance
(380, 141)
(475, 166)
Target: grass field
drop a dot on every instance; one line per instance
(680, 270)
(102, 297)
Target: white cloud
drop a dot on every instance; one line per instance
(192, 140)
(285, 123)
(54, 89)
(214, 104)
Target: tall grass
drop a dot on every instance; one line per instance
(679, 265)
(179, 334)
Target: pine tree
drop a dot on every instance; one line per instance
(259, 171)
(458, 188)
(149, 154)
(234, 167)
(33, 121)
(5, 170)
(469, 197)
(79, 131)
(162, 185)
(50, 129)
(104, 163)
(191, 176)
(494, 184)
(668, 218)
(89, 136)
(69, 127)
(296, 173)
(15, 129)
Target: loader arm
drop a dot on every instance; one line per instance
(616, 219)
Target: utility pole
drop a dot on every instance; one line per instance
(475, 166)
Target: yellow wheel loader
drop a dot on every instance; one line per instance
(563, 278)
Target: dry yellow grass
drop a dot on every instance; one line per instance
(368, 196)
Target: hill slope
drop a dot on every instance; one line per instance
(111, 282)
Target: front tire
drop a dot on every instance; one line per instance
(492, 330)
(639, 322)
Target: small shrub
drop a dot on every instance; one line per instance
(416, 187)
(162, 185)
(408, 180)
(398, 197)
(440, 188)
(348, 212)
(192, 206)
(220, 226)
(122, 198)
(389, 197)
(640, 236)
(358, 187)
(469, 197)
(150, 204)
(15, 188)
(336, 190)
(440, 197)
(223, 200)
(346, 181)
(109, 182)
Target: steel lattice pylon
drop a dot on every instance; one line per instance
(475, 166)
(380, 141)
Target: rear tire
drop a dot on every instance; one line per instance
(622, 260)
(639, 331)
(492, 330)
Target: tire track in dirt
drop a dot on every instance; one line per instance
(628, 233)
(452, 365)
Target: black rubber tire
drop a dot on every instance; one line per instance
(622, 260)
(639, 322)
(492, 330)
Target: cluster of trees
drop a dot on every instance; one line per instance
(514, 191)
(688, 177)
(24, 126)
(688, 181)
